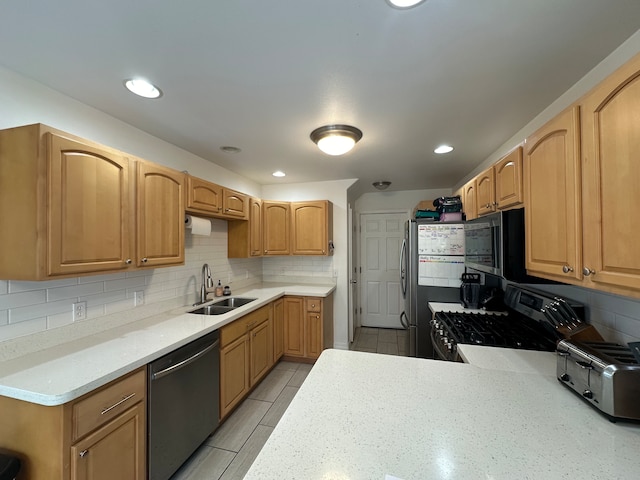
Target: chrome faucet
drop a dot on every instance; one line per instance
(207, 282)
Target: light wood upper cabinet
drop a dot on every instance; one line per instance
(203, 197)
(235, 204)
(276, 227)
(89, 212)
(209, 199)
(469, 202)
(508, 180)
(552, 198)
(160, 208)
(245, 238)
(312, 228)
(611, 170)
(485, 192)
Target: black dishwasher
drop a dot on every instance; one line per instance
(183, 403)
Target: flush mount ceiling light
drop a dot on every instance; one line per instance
(381, 185)
(278, 173)
(142, 88)
(443, 149)
(404, 3)
(336, 139)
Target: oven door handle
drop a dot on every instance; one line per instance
(436, 347)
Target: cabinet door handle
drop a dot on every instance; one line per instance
(128, 261)
(83, 453)
(124, 399)
(586, 271)
(567, 269)
(145, 260)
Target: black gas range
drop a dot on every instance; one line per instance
(524, 325)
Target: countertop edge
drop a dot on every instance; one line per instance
(68, 355)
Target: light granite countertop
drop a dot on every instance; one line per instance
(62, 372)
(362, 416)
(509, 359)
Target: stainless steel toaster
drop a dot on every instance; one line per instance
(607, 375)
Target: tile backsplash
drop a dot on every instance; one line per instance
(32, 307)
(299, 269)
(616, 318)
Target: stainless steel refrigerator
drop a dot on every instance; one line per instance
(431, 264)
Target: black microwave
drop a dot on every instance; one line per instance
(495, 244)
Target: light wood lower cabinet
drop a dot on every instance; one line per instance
(308, 326)
(101, 435)
(278, 329)
(115, 450)
(246, 355)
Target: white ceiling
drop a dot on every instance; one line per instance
(261, 75)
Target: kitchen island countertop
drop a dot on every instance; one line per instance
(363, 415)
(68, 369)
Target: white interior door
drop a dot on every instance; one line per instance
(380, 242)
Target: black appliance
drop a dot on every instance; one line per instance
(495, 244)
(470, 290)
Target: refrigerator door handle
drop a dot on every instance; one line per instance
(403, 268)
(405, 323)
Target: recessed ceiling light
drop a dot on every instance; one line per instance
(404, 3)
(230, 149)
(142, 88)
(443, 149)
(278, 173)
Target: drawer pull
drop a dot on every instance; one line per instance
(84, 453)
(124, 399)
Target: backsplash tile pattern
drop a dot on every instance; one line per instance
(298, 269)
(616, 318)
(32, 307)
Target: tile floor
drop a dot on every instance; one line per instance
(380, 340)
(230, 451)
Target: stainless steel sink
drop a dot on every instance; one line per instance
(234, 302)
(223, 306)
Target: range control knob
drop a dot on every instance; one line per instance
(565, 377)
(587, 394)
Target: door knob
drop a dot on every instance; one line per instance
(353, 281)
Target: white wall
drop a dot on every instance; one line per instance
(403, 200)
(336, 192)
(616, 59)
(24, 101)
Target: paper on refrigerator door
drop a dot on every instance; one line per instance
(440, 270)
(441, 239)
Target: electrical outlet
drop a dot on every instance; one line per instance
(138, 298)
(79, 311)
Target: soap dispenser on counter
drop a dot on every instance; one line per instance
(218, 289)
